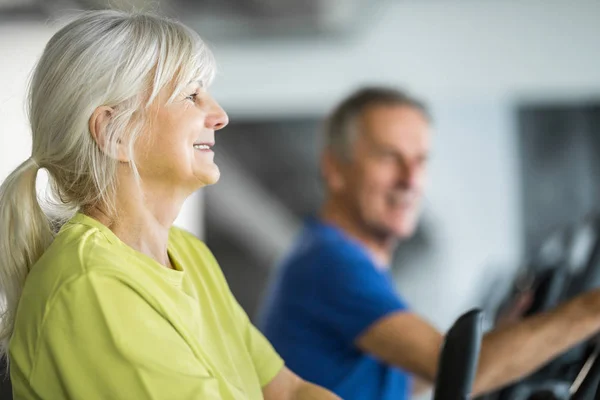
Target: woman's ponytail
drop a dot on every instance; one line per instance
(25, 233)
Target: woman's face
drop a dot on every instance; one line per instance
(174, 152)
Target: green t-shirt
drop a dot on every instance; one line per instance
(99, 320)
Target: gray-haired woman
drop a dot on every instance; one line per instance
(103, 298)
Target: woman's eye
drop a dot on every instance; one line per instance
(192, 97)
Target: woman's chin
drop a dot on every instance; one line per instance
(210, 181)
(209, 176)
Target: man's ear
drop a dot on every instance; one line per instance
(332, 170)
(98, 125)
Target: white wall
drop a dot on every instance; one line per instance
(470, 59)
(20, 45)
(473, 205)
(445, 50)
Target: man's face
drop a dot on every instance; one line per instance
(384, 179)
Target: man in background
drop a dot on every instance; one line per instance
(332, 311)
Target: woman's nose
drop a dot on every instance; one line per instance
(217, 117)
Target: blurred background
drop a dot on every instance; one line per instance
(513, 86)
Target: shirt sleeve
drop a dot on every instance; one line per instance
(267, 362)
(348, 294)
(102, 340)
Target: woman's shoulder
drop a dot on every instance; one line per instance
(75, 248)
(189, 243)
(74, 252)
(195, 256)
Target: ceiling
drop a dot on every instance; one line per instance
(221, 20)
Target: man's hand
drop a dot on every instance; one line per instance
(514, 311)
(289, 386)
(515, 350)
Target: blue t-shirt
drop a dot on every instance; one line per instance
(327, 292)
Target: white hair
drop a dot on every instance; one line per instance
(102, 58)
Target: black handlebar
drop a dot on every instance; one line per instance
(459, 357)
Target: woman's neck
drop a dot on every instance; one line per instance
(143, 222)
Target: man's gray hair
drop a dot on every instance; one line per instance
(341, 125)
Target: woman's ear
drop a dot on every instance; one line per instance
(98, 125)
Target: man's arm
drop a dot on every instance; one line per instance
(518, 350)
(507, 354)
(289, 386)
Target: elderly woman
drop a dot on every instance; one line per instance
(103, 298)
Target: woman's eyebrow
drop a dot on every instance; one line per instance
(199, 82)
